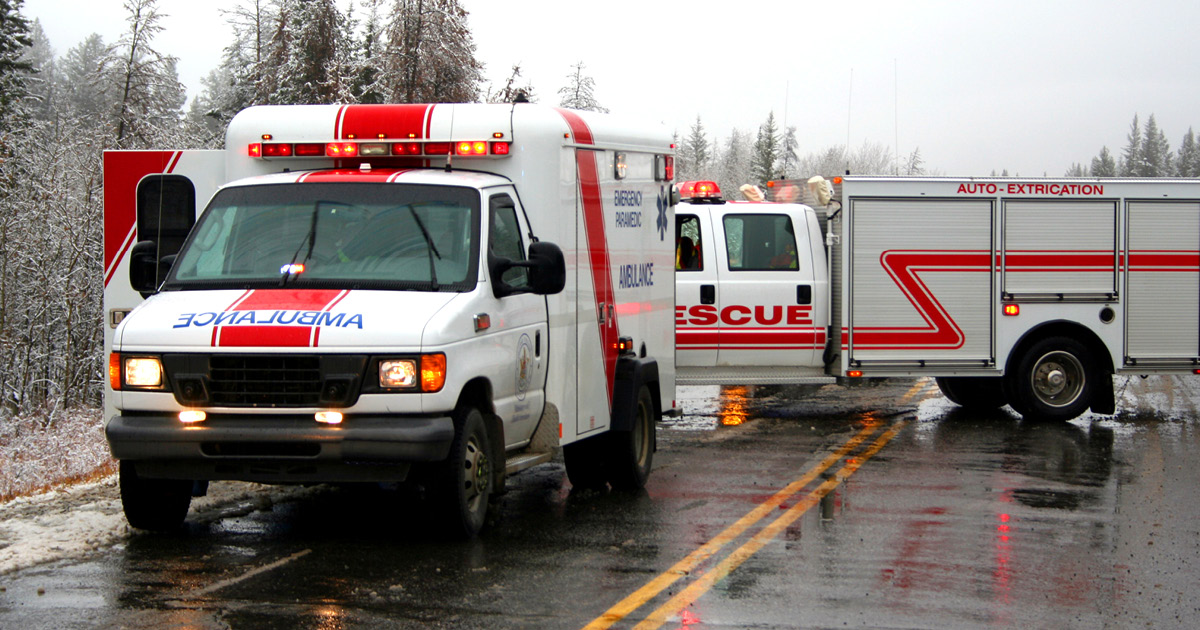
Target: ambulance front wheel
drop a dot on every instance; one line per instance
(1054, 380)
(157, 505)
(462, 485)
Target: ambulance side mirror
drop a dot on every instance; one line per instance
(548, 272)
(146, 270)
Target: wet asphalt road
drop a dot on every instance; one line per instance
(873, 506)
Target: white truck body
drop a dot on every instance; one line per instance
(337, 298)
(1030, 292)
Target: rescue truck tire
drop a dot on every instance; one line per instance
(462, 485)
(156, 505)
(1054, 380)
(585, 463)
(973, 392)
(632, 452)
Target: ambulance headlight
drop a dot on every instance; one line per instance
(143, 372)
(398, 373)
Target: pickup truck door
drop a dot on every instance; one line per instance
(696, 289)
(767, 287)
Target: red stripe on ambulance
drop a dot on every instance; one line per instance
(277, 336)
(123, 170)
(597, 244)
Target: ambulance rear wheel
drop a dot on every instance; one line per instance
(157, 505)
(1053, 381)
(462, 485)
(973, 392)
(633, 451)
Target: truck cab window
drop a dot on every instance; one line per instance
(760, 242)
(504, 239)
(166, 210)
(687, 243)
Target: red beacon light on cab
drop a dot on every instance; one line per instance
(700, 191)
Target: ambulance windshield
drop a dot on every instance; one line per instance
(349, 235)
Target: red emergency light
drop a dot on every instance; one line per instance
(341, 149)
(699, 190)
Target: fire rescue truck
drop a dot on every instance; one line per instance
(1030, 293)
(440, 294)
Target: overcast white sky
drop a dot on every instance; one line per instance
(1025, 85)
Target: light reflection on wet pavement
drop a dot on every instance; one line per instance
(961, 520)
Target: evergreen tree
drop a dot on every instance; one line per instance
(733, 165)
(580, 91)
(1156, 157)
(692, 160)
(430, 54)
(43, 82)
(311, 71)
(915, 164)
(1104, 165)
(1131, 159)
(85, 89)
(1077, 170)
(765, 153)
(15, 69)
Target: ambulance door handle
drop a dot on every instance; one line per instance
(804, 294)
(708, 294)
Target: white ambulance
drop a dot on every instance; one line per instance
(1031, 293)
(381, 293)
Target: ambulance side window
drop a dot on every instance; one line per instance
(687, 243)
(760, 242)
(166, 211)
(504, 239)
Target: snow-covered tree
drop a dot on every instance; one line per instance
(315, 68)
(693, 160)
(513, 89)
(430, 54)
(85, 89)
(1104, 165)
(1131, 158)
(733, 164)
(14, 66)
(150, 97)
(580, 91)
(789, 153)
(1076, 170)
(914, 164)
(765, 153)
(1187, 161)
(1156, 156)
(42, 87)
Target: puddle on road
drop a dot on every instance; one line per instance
(707, 408)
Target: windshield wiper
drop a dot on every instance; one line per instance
(311, 238)
(432, 248)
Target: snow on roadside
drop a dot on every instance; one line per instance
(44, 451)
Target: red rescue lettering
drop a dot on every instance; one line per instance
(703, 315)
(728, 312)
(761, 317)
(797, 315)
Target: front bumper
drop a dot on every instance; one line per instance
(279, 449)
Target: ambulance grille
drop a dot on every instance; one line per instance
(264, 381)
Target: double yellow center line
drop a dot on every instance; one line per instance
(756, 542)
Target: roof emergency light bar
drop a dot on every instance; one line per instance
(699, 190)
(381, 148)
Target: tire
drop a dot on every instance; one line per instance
(633, 451)
(1054, 380)
(157, 505)
(974, 392)
(462, 485)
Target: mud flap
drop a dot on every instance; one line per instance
(1104, 400)
(632, 373)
